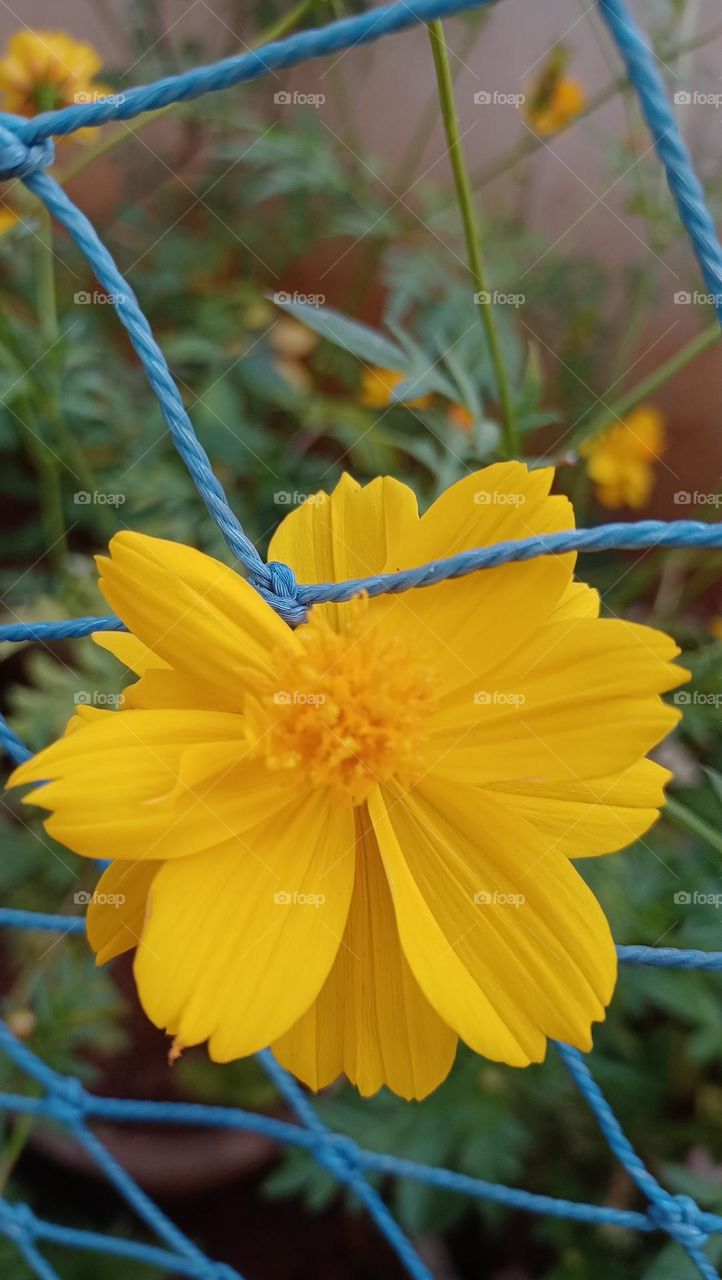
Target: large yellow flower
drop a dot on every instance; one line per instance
(353, 841)
(44, 70)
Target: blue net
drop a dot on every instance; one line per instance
(26, 151)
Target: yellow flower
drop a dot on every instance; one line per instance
(44, 70)
(352, 841)
(8, 219)
(377, 385)
(557, 102)
(621, 459)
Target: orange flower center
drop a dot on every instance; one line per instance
(352, 711)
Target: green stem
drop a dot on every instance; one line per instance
(427, 119)
(688, 818)
(67, 445)
(621, 407)
(45, 461)
(14, 1147)
(51, 499)
(471, 231)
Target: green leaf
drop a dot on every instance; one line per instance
(351, 335)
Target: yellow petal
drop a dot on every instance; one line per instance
(468, 625)
(159, 686)
(347, 534)
(117, 909)
(579, 701)
(129, 650)
(116, 787)
(505, 939)
(240, 938)
(601, 815)
(578, 601)
(195, 613)
(370, 1020)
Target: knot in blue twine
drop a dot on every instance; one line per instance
(280, 588)
(18, 160)
(67, 1101)
(339, 1154)
(681, 1218)
(17, 1221)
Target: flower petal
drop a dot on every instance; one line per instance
(467, 625)
(371, 1020)
(347, 534)
(586, 818)
(195, 613)
(581, 701)
(159, 686)
(131, 785)
(117, 910)
(233, 951)
(505, 939)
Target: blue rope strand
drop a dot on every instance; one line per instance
(633, 536)
(684, 184)
(318, 42)
(26, 150)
